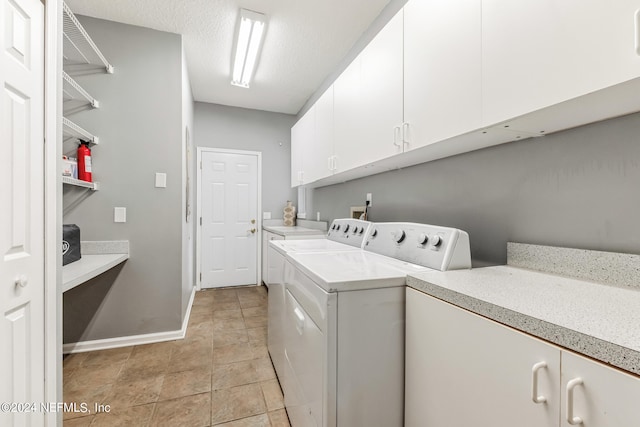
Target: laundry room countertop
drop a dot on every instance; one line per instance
(293, 231)
(594, 319)
(97, 257)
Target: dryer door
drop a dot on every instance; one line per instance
(304, 367)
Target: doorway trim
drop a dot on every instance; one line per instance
(200, 151)
(53, 207)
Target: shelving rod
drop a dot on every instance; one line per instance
(74, 91)
(79, 183)
(74, 131)
(76, 37)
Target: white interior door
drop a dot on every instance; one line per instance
(229, 235)
(22, 208)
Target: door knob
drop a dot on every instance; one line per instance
(253, 230)
(21, 281)
(253, 221)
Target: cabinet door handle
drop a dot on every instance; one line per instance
(637, 21)
(405, 133)
(571, 385)
(537, 398)
(396, 134)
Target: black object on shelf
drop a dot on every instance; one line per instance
(70, 243)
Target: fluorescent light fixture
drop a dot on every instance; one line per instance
(248, 44)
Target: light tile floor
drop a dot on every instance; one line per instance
(219, 375)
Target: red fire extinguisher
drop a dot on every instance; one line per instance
(84, 162)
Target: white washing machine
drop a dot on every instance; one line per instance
(344, 324)
(343, 235)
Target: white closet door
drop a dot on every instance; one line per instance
(22, 208)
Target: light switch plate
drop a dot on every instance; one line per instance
(161, 180)
(119, 214)
(266, 215)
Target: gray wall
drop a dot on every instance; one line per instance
(188, 179)
(219, 126)
(577, 188)
(140, 128)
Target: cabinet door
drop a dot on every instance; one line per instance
(442, 70)
(537, 53)
(368, 101)
(302, 137)
(605, 396)
(464, 370)
(266, 237)
(316, 158)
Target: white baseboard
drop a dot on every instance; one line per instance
(93, 345)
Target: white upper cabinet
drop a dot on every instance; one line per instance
(442, 70)
(302, 136)
(368, 99)
(318, 157)
(538, 53)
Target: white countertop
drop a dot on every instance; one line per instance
(292, 231)
(600, 321)
(97, 257)
(88, 267)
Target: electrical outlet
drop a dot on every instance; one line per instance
(369, 199)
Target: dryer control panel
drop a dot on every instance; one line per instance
(432, 246)
(349, 231)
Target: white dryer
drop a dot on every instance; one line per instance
(344, 235)
(344, 324)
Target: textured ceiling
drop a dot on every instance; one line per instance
(304, 42)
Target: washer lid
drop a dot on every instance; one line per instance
(310, 245)
(355, 270)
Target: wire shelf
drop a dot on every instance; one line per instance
(75, 96)
(78, 183)
(72, 131)
(78, 48)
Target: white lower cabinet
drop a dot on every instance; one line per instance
(266, 237)
(597, 395)
(463, 369)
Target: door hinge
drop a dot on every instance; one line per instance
(200, 277)
(200, 220)
(200, 164)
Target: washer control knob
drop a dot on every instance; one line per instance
(423, 239)
(346, 228)
(337, 227)
(361, 230)
(399, 236)
(374, 232)
(436, 240)
(355, 230)
(333, 227)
